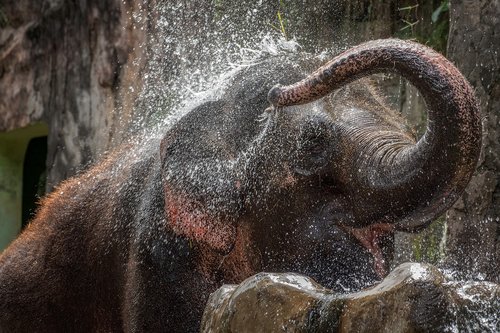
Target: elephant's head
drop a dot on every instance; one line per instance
(315, 176)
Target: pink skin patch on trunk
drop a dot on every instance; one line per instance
(188, 218)
(369, 237)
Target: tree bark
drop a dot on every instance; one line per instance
(70, 64)
(473, 240)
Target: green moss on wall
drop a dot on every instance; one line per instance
(428, 245)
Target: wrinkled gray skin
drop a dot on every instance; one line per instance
(312, 178)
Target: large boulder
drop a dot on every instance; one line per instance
(413, 298)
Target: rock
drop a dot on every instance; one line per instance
(412, 298)
(266, 302)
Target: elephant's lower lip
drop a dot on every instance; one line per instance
(369, 237)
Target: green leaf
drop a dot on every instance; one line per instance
(444, 7)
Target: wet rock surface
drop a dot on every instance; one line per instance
(412, 298)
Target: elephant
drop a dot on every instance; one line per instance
(280, 170)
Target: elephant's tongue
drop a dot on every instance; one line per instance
(369, 237)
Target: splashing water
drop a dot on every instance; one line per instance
(192, 50)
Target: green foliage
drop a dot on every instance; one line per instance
(444, 7)
(219, 9)
(407, 14)
(436, 36)
(4, 21)
(282, 24)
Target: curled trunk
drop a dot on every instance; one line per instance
(410, 184)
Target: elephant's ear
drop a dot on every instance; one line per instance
(200, 178)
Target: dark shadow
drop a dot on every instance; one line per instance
(34, 176)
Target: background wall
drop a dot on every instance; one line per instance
(13, 145)
(473, 235)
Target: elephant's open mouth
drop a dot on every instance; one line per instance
(370, 237)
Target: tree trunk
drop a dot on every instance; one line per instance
(473, 242)
(70, 64)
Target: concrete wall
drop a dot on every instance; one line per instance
(13, 146)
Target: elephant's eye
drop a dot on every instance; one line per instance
(314, 146)
(312, 139)
(313, 134)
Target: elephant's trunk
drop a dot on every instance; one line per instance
(412, 183)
